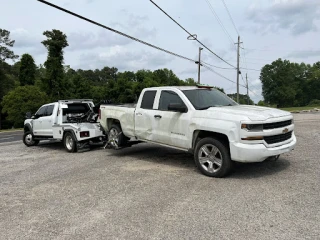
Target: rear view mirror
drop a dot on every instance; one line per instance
(28, 115)
(177, 107)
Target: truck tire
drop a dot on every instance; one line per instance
(69, 142)
(212, 158)
(28, 139)
(115, 139)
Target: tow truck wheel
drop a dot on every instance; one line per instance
(69, 142)
(28, 139)
(212, 158)
(116, 137)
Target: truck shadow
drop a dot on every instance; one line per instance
(260, 169)
(177, 158)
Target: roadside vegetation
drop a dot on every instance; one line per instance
(25, 86)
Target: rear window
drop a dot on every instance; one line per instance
(148, 99)
(75, 108)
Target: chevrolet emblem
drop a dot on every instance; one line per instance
(285, 130)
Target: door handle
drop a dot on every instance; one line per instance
(139, 114)
(157, 116)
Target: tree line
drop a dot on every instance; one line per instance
(288, 84)
(24, 86)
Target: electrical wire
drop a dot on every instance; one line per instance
(220, 22)
(202, 62)
(116, 31)
(210, 69)
(191, 35)
(225, 5)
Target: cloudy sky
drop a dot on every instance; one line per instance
(269, 29)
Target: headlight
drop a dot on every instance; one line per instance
(252, 127)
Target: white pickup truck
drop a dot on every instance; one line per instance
(72, 121)
(203, 121)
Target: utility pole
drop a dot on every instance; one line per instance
(199, 64)
(238, 67)
(247, 88)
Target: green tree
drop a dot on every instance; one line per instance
(6, 83)
(53, 82)
(28, 68)
(21, 100)
(243, 99)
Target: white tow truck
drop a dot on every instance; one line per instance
(72, 121)
(203, 121)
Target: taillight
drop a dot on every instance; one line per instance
(99, 113)
(84, 134)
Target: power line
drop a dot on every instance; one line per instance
(210, 69)
(251, 69)
(116, 31)
(282, 50)
(219, 21)
(191, 35)
(216, 66)
(243, 80)
(225, 5)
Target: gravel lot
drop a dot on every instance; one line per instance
(151, 192)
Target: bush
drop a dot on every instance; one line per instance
(314, 103)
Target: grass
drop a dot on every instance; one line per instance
(11, 130)
(292, 109)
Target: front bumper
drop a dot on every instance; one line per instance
(241, 152)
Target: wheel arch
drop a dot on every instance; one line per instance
(111, 121)
(27, 127)
(200, 134)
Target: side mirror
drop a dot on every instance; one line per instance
(177, 107)
(28, 115)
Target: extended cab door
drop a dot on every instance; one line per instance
(144, 116)
(172, 127)
(47, 121)
(37, 121)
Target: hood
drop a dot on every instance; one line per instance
(254, 113)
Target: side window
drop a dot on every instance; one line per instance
(42, 111)
(168, 97)
(148, 99)
(49, 110)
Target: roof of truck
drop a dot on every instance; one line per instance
(182, 88)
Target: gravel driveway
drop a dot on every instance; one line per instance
(152, 192)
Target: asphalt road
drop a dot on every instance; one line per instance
(10, 136)
(152, 192)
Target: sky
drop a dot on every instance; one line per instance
(269, 29)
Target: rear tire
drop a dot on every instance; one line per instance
(28, 139)
(69, 142)
(115, 139)
(212, 158)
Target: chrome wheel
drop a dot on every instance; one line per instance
(29, 139)
(113, 137)
(69, 142)
(210, 158)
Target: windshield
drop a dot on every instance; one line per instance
(206, 98)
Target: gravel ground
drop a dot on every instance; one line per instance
(151, 192)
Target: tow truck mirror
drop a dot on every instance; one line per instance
(28, 115)
(177, 107)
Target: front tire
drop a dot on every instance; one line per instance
(28, 139)
(69, 142)
(212, 158)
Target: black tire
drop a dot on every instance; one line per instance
(216, 160)
(118, 141)
(69, 142)
(28, 139)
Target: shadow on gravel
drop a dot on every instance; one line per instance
(156, 154)
(257, 170)
(182, 159)
(58, 145)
